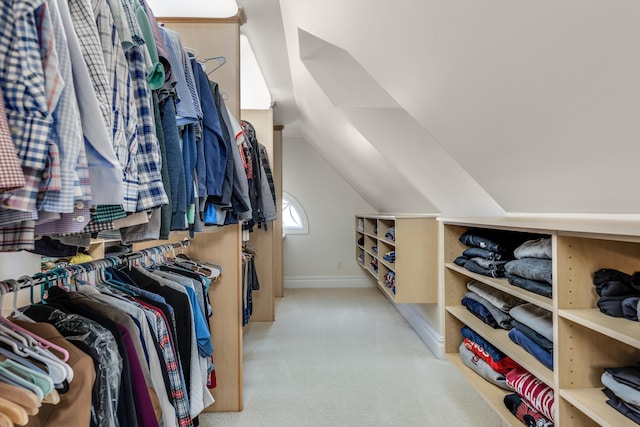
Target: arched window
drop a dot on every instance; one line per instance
(294, 218)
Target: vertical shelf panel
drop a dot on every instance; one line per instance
(586, 341)
(220, 37)
(264, 239)
(416, 247)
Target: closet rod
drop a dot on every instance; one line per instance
(25, 282)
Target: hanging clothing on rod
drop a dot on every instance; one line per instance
(142, 320)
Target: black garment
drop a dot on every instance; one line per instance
(252, 155)
(182, 309)
(123, 277)
(523, 412)
(165, 210)
(620, 406)
(500, 241)
(42, 313)
(225, 198)
(127, 414)
(609, 275)
(264, 160)
(628, 375)
(611, 306)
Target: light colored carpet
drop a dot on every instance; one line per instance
(346, 357)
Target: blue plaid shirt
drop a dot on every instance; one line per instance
(74, 174)
(151, 192)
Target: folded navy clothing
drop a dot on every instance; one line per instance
(492, 351)
(619, 405)
(461, 260)
(611, 306)
(630, 308)
(502, 319)
(615, 288)
(480, 311)
(609, 275)
(533, 335)
(543, 356)
(628, 375)
(500, 241)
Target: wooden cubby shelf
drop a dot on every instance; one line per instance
(585, 340)
(416, 249)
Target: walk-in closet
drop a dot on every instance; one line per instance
(311, 213)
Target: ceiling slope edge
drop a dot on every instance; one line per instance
(393, 132)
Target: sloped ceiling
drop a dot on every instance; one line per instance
(464, 107)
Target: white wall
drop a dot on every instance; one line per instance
(12, 266)
(326, 256)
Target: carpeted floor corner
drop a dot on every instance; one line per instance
(346, 357)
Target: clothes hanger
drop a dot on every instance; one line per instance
(192, 51)
(43, 382)
(221, 61)
(37, 341)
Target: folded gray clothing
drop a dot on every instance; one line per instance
(498, 298)
(533, 335)
(537, 248)
(531, 268)
(489, 263)
(482, 368)
(630, 395)
(502, 318)
(536, 318)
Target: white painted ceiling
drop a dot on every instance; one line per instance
(464, 107)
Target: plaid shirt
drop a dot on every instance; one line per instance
(62, 103)
(23, 84)
(87, 36)
(131, 22)
(159, 327)
(11, 177)
(151, 192)
(125, 120)
(124, 33)
(19, 236)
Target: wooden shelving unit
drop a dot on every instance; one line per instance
(416, 250)
(585, 340)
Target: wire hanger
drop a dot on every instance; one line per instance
(221, 61)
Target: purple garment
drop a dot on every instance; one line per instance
(144, 407)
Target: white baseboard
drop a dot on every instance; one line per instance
(432, 339)
(296, 282)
